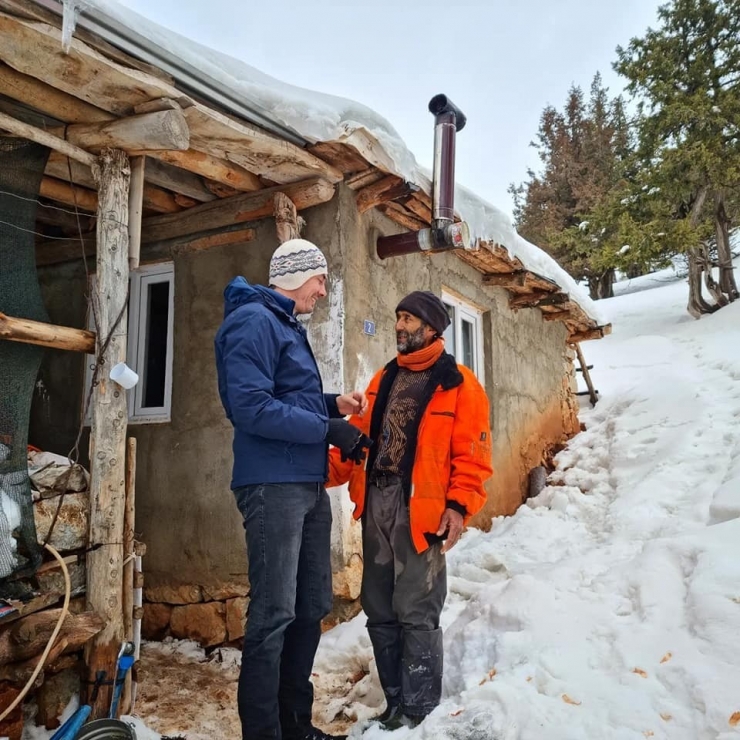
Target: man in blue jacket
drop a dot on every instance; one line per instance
(272, 393)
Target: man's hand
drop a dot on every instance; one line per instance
(348, 439)
(352, 403)
(452, 523)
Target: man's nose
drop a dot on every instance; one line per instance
(323, 291)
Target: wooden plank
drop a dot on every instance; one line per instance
(388, 189)
(161, 130)
(109, 422)
(46, 335)
(14, 126)
(238, 209)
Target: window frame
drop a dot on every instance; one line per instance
(465, 311)
(139, 279)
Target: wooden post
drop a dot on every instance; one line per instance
(109, 422)
(135, 207)
(287, 221)
(128, 553)
(586, 375)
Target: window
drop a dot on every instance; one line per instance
(150, 329)
(464, 335)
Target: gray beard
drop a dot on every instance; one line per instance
(413, 342)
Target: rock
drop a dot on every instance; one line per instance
(71, 527)
(54, 695)
(204, 623)
(184, 593)
(52, 581)
(342, 611)
(223, 591)
(236, 610)
(346, 583)
(55, 479)
(155, 623)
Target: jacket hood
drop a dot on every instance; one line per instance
(239, 292)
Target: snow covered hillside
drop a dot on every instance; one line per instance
(608, 607)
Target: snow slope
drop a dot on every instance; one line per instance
(609, 606)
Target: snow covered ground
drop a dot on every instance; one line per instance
(608, 608)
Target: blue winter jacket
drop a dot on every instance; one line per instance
(271, 389)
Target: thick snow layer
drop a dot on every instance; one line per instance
(609, 606)
(320, 117)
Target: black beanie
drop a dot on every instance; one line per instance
(428, 307)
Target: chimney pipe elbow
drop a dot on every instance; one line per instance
(441, 105)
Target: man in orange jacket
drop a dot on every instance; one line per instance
(429, 421)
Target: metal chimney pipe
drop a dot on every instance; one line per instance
(448, 120)
(445, 233)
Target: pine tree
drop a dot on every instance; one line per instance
(686, 76)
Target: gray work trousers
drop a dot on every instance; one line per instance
(403, 593)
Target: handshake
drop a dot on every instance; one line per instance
(349, 440)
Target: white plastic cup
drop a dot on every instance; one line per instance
(124, 376)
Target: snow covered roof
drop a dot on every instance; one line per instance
(308, 118)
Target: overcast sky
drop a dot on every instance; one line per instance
(501, 61)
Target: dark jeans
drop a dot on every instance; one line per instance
(288, 529)
(402, 594)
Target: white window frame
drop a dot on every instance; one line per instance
(468, 313)
(136, 344)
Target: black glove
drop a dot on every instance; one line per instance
(348, 439)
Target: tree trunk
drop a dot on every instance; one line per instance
(698, 266)
(602, 286)
(727, 283)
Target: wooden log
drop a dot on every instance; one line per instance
(362, 179)
(109, 422)
(557, 316)
(536, 298)
(401, 216)
(161, 130)
(178, 180)
(135, 210)
(286, 218)
(14, 126)
(55, 188)
(203, 243)
(238, 209)
(344, 158)
(71, 195)
(48, 99)
(515, 279)
(389, 188)
(418, 208)
(28, 637)
(212, 168)
(46, 335)
(587, 334)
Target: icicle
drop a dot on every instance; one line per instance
(70, 13)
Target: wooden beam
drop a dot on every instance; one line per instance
(583, 336)
(14, 126)
(135, 210)
(364, 178)
(515, 279)
(222, 239)
(343, 157)
(401, 216)
(586, 375)
(46, 335)
(35, 49)
(537, 298)
(109, 423)
(286, 218)
(71, 195)
(47, 99)
(212, 168)
(178, 180)
(161, 130)
(387, 189)
(238, 209)
(557, 316)
(418, 208)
